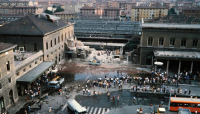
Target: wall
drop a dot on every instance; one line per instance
(6, 86)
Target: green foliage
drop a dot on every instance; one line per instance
(48, 12)
(59, 9)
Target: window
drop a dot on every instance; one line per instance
(51, 43)
(36, 62)
(30, 66)
(183, 42)
(161, 41)
(58, 39)
(47, 45)
(65, 35)
(8, 65)
(24, 69)
(35, 47)
(195, 42)
(47, 56)
(150, 41)
(40, 58)
(9, 80)
(17, 73)
(172, 42)
(55, 41)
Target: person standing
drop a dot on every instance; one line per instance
(189, 91)
(49, 108)
(185, 91)
(117, 97)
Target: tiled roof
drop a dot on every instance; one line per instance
(150, 7)
(112, 8)
(31, 25)
(87, 8)
(65, 13)
(5, 46)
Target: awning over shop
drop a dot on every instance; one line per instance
(177, 54)
(35, 73)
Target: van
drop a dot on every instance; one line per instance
(75, 107)
(55, 85)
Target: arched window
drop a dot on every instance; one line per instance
(195, 43)
(161, 41)
(183, 42)
(172, 42)
(150, 41)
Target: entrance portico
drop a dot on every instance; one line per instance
(180, 56)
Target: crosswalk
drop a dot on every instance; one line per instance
(92, 110)
(97, 110)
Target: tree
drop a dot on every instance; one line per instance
(59, 9)
(48, 12)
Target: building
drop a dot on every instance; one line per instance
(16, 3)
(73, 7)
(148, 13)
(101, 34)
(111, 12)
(42, 32)
(24, 10)
(65, 15)
(176, 45)
(88, 11)
(192, 11)
(126, 5)
(8, 91)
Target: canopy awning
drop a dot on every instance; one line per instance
(177, 54)
(158, 63)
(35, 73)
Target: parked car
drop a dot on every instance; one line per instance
(94, 62)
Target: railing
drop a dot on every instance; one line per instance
(28, 60)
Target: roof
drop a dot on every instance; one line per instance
(87, 8)
(185, 100)
(14, 1)
(65, 13)
(171, 26)
(149, 7)
(104, 44)
(32, 75)
(112, 8)
(6, 46)
(31, 25)
(177, 54)
(191, 8)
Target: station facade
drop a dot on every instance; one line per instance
(176, 45)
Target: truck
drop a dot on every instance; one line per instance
(75, 107)
(55, 84)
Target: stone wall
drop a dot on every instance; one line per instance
(6, 85)
(167, 34)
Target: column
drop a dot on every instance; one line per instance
(179, 67)
(155, 66)
(152, 60)
(191, 67)
(167, 68)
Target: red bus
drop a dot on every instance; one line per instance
(187, 103)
